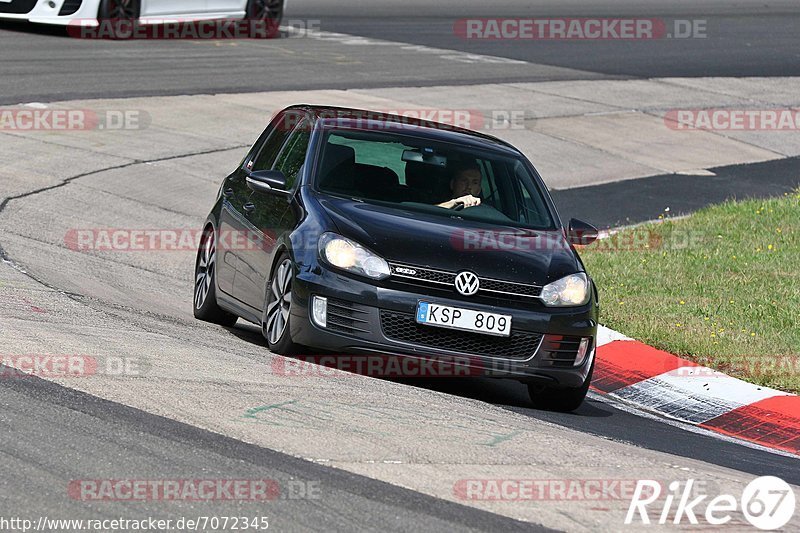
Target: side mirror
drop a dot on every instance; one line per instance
(581, 233)
(268, 181)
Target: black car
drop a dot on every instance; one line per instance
(363, 233)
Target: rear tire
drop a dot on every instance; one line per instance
(205, 290)
(563, 400)
(268, 11)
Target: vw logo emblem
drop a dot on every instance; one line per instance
(467, 283)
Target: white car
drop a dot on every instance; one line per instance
(63, 12)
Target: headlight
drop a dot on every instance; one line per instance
(570, 290)
(351, 256)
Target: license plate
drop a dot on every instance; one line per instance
(463, 319)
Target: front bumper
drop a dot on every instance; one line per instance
(382, 323)
(41, 12)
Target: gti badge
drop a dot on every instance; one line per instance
(467, 283)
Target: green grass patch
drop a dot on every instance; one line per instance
(721, 287)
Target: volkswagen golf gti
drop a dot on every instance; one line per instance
(357, 232)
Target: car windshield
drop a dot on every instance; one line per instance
(420, 174)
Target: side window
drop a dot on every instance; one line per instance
(272, 146)
(294, 153)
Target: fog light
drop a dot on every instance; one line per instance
(583, 350)
(319, 311)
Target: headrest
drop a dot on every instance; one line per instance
(376, 182)
(335, 154)
(432, 181)
(339, 157)
(372, 176)
(421, 175)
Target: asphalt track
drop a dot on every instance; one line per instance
(60, 419)
(644, 198)
(750, 38)
(179, 421)
(742, 39)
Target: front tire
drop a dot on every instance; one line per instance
(127, 10)
(205, 290)
(118, 18)
(563, 400)
(277, 312)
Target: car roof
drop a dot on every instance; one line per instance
(361, 119)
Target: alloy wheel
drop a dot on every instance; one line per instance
(205, 270)
(122, 9)
(280, 302)
(265, 9)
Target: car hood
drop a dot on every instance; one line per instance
(420, 239)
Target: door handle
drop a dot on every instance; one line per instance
(227, 193)
(249, 207)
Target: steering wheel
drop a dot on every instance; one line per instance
(458, 206)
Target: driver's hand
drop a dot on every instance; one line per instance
(469, 201)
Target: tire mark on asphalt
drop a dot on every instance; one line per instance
(4, 256)
(251, 413)
(317, 415)
(498, 439)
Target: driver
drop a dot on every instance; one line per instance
(465, 187)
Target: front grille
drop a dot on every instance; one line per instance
(424, 276)
(402, 327)
(18, 7)
(346, 317)
(70, 7)
(559, 350)
(411, 274)
(510, 288)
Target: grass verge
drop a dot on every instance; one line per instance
(721, 287)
